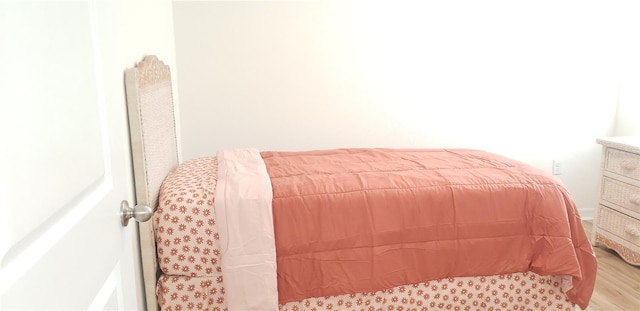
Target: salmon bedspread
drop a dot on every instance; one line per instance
(360, 220)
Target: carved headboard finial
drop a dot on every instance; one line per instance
(151, 70)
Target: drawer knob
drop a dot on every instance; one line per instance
(632, 230)
(628, 165)
(635, 199)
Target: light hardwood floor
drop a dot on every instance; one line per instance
(617, 283)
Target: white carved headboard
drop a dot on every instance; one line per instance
(154, 149)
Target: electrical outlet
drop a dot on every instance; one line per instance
(557, 167)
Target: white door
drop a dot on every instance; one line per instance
(64, 162)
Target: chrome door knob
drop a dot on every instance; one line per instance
(140, 213)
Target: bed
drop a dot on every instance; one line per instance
(347, 229)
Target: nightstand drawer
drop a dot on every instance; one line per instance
(623, 163)
(620, 193)
(618, 224)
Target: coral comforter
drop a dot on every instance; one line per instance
(359, 220)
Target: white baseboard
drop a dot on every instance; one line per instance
(587, 213)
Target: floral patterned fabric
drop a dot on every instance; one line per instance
(189, 254)
(187, 239)
(518, 291)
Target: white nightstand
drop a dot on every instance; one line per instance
(617, 222)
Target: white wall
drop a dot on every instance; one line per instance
(145, 28)
(628, 116)
(535, 81)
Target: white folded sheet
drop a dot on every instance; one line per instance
(243, 213)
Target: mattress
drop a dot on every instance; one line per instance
(188, 244)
